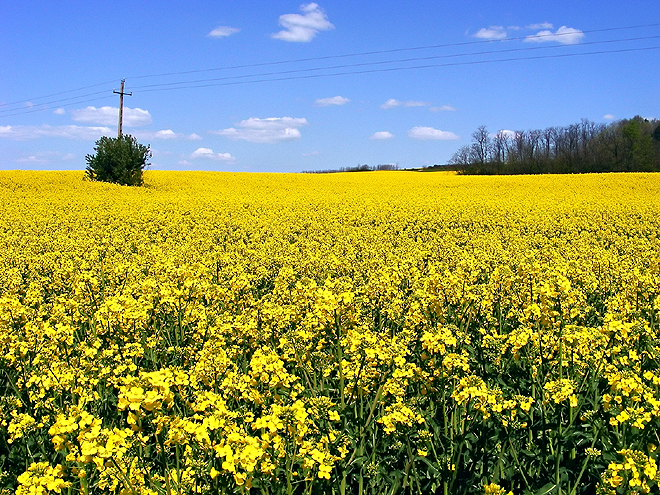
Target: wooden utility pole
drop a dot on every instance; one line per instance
(121, 103)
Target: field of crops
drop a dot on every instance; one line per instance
(364, 333)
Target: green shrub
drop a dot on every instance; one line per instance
(119, 160)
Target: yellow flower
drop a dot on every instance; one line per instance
(324, 471)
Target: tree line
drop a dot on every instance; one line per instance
(358, 168)
(629, 145)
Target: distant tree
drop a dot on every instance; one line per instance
(461, 157)
(656, 146)
(481, 145)
(119, 160)
(639, 145)
(500, 146)
(656, 134)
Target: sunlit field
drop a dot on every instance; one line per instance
(358, 333)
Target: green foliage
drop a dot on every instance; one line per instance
(656, 134)
(119, 160)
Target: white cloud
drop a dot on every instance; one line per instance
(391, 103)
(202, 152)
(609, 116)
(443, 108)
(223, 32)
(272, 123)
(541, 25)
(311, 153)
(426, 133)
(132, 117)
(563, 35)
(491, 33)
(208, 154)
(165, 134)
(261, 135)
(59, 111)
(303, 28)
(382, 135)
(335, 100)
(269, 130)
(507, 133)
(25, 132)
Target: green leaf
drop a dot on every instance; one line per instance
(547, 489)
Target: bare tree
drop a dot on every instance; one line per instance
(500, 145)
(481, 145)
(461, 157)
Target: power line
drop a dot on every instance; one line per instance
(33, 110)
(44, 106)
(330, 57)
(6, 112)
(393, 69)
(392, 50)
(383, 62)
(213, 82)
(54, 94)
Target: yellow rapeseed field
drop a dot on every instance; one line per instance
(380, 333)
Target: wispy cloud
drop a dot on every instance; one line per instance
(382, 135)
(311, 153)
(26, 132)
(491, 33)
(46, 157)
(609, 116)
(269, 130)
(335, 100)
(303, 28)
(132, 117)
(165, 134)
(541, 25)
(391, 103)
(428, 133)
(563, 35)
(59, 111)
(443, 108)
(223, 32)
(209, 154)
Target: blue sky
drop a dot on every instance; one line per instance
(218, 118)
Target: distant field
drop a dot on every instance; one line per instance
(382, 332)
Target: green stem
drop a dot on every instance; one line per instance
(584, 465)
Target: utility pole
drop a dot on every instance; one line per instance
(121, 103)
